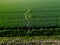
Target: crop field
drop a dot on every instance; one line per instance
(44, 13)
(20, 14)
(28, 40)
(25, 22)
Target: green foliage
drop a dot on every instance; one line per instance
(34, 32)
(12, 33)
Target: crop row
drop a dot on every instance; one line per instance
(33, 32)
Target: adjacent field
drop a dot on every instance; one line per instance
(45, 40)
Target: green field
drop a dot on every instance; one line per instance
(44, 13)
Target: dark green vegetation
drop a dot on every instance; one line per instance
(45, 13)
(33, 32)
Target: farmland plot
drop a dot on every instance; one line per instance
(44, 13)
